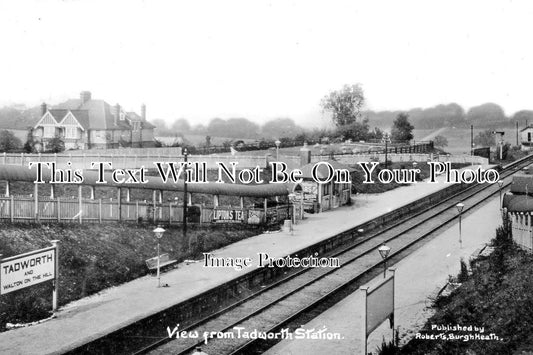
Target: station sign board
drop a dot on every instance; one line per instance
(228, 216)
(24, 270)
(380, 305)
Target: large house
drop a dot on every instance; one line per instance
(86, 123)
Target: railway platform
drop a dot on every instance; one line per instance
(92, 317)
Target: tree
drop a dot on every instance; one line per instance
(345, 104)
(56, 145)
(280, 127)
(485, 139)
(356, 131)
(217, 127)
(488, 113)
(523, 117)
(402, 130)
(181, 125)
(440, 141)
(8, 141)
(161, 128)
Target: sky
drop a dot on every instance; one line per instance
(266, 59)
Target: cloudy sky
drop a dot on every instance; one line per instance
(266, 59)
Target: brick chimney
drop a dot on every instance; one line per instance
(143, 112)
(43, 109)
(85, 96)
(117, 114)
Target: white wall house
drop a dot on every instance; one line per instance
(85, 123)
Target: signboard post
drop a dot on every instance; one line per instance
(28, 269)
(378, 306)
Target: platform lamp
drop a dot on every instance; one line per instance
(460, 206)
(500, 184)
(278, 143)
(384, 252)
(158, 232)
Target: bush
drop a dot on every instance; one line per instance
(55, 145)
(8, 142)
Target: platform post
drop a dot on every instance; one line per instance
(55, 292)
(364, 290)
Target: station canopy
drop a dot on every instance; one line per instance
(90, 178)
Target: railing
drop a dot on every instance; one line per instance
(18, 209)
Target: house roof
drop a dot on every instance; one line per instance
(522, 183)
(517, 203)
(99, 113)
(58, 114)
(134, 117)
(525, 128)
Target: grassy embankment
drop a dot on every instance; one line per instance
(496, 294)
(94, 257)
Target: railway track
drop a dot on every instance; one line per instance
(287, 302)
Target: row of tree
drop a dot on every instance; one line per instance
(453, 115)
(231, 128)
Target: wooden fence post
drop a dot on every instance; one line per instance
(119, 197)
(80, 204)
(58, 209)
(36, 200)
(100, 210)
(12, 209)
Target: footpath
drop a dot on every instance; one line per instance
(93, 317)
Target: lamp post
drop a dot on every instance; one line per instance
(500, 184)
(158, 234)
(278, 143)
(460, 207)
(384, 252)
(185, 202)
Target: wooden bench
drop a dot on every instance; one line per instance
(164, 261)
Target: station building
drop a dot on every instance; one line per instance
(517, 206)
(318, 197)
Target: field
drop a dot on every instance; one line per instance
(459, 138)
